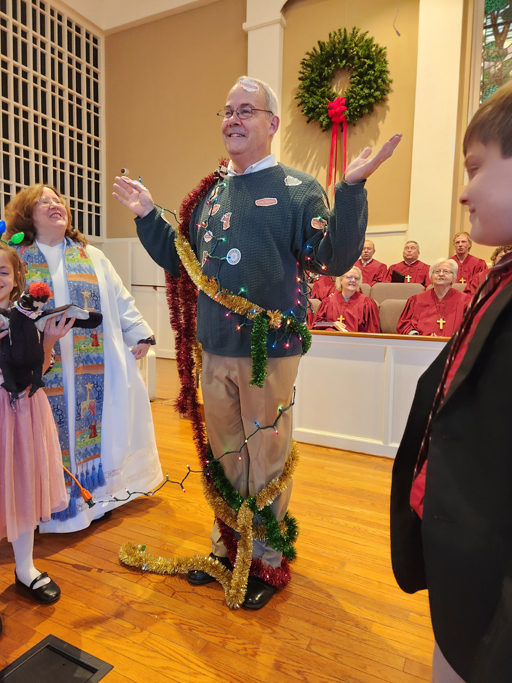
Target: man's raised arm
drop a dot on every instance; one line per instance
(154, 232)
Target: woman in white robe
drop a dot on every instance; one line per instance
(129, 456)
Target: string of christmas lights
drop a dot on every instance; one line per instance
(304, 289)
(210, 463)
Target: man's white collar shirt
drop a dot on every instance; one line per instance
(266, 162)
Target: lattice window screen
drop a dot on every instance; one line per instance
(50, 75)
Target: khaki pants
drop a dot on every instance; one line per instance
(232, 408)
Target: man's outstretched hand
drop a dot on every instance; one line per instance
(364, 165)
(134, 195)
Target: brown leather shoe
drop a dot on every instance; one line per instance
(259, 592)
(198, 578)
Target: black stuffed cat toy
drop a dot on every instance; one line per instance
(22, 350)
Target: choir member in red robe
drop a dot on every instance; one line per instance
(413, 269)
(373, 271)
(469, 266)
(496, 256)
(348, 309)
(322, 287)
(436, 312)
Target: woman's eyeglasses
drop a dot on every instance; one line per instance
(48, 201)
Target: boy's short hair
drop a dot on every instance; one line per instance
(493, 122)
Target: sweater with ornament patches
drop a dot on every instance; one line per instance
(269, 226)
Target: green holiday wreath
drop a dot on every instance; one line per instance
(369, 77)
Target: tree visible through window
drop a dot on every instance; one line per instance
(497, 47)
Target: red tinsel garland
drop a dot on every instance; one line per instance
(182, 300)
(275, 576)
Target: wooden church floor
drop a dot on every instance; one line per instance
(342, 618)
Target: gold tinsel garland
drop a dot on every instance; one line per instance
(228, 514)
(235, 303)
(234, 582)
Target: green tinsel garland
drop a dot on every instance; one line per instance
(259, 350)
(289, 325)
(369, 76)
(303, 333)
(222, 484)
(281, 542)
(278, 541)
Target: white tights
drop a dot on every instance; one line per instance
(23, 548)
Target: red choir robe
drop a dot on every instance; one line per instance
(475, 282)
(359, 313)
(374, 271)
(468, 268)
(416, 272)
(322, 287)
(423, 311)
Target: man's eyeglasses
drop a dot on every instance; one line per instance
(49, 201)
(245, 112)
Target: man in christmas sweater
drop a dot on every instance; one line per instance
(254, 233)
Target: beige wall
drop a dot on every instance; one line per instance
(305, 146)
(157, 71)
(164, 83)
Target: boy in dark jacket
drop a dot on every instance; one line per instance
(451, 500)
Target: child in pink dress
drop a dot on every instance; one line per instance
(31, 476)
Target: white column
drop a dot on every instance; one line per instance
(265, 27)
(435, 125)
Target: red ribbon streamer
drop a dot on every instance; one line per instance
(336, 111)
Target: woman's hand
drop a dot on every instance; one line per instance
(133, 195)
(140, 350)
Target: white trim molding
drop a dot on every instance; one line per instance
(435, 124)
(265, 31)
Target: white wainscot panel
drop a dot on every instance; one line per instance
(152, 304)
(165, 342)
(354, 391)
(146, 282)
(144, 270)
(341, 375)
(409, 365)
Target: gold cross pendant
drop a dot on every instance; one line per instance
(408, 278)
(441, 322)
(341, 319)
(462, 280)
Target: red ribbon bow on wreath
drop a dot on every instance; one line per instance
(336, 111)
